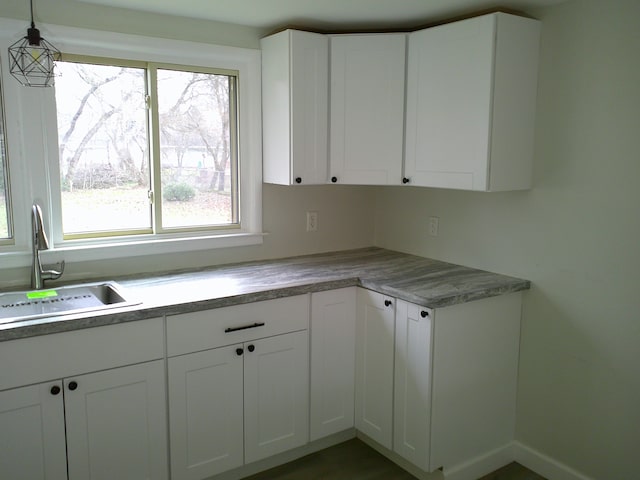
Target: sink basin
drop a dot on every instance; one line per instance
(33, 304)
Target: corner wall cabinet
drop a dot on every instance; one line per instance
(437, 387)
(471, 95)
(464, 120)
(113, 421)
(238, 382)
(367, 109)
(295, 96)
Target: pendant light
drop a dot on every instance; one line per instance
(32, 58)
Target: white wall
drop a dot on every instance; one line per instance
(575, 235)
(86, 15)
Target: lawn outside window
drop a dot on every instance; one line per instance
(145, 148)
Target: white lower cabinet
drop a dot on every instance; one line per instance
(58, 422)
(412, 390)
(114, 421)
(206, 414)
(437, 387)
(246, 399)
(32, 438)
(374, 366)
(333, 336)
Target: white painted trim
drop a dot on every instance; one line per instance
(32, 143)
(482, 465)
(545, 465)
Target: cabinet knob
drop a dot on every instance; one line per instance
(334, 179)
(239, 351)
(405, 180)
(298, 179)
(55, 390)
(73, 385)
(387, 303)
(251, 348)
(424, 314)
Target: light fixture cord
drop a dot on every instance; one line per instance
(33, 25)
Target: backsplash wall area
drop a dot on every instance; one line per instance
(574, 235)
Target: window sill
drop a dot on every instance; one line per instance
(89, 251)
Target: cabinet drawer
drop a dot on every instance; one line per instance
(190, 332)
(48, 357)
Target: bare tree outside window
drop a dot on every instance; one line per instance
(106, 136)
(104, 154)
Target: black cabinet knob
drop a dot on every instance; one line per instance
(251, 348)
(424, 314)
(387, 303)
(239, 351)
(298, 179)
(55, 390)
(334, 179)
(405, 180)
(73, 385)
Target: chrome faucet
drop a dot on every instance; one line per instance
(40, 242)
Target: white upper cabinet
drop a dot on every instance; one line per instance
(367, 109)
(471, 94)
(295, 89)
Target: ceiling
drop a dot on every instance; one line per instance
(323, 14)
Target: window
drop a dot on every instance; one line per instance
(146, 148)
(6, 231)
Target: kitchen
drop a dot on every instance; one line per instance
(573, 235)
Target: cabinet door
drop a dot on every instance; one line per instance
(276, 394)
(295, 98)
(367, 108)
(471, 95)
(333, 331)
(374, 366)
(412, 390)
(32, 438)
(116, 424)
(205, 412)
(449, 104)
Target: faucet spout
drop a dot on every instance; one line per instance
(40, 242)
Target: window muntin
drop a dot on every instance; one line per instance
(151, 130)
(6, 228)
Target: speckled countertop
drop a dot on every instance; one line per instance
(419, 280)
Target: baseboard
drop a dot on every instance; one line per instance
(544, 465)
(482, 465)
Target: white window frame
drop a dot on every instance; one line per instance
(33, 142)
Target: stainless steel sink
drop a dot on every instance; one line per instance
(50, 302)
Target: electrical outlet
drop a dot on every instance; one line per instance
(433, 226)
(312, 221)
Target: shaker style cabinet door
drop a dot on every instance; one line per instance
(367, 109)
(32, 438)
(412, 390)
(276, 394)
(205, 412)
(471, 94)
(333, 332)
(374, 366)
(116, 423)
(295, 107)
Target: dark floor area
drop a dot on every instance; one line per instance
(353, 460)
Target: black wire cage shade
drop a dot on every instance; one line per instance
(32, 59)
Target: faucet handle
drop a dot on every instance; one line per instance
(53, 274)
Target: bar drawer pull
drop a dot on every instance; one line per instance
(244, 327)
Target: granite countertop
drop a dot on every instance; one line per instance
(426, 282)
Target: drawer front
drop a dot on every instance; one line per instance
(191, 332)
(48, 357)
